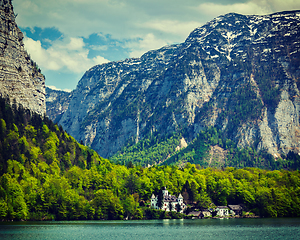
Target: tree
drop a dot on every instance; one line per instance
(203, 201)
(178, 207)
(129, 164)
(16, 205)
(3, 209)
(170, 206)
(107, 206)
(160, 199)
(130, 206)
(132, 183)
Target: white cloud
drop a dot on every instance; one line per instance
(215, 10)
(253, 7)
(172, 26)
(147, 42)
(99, 60)
(70, 55)
(75, 18)
(40, 55)
(75, 44)
(119, 18)
(58, 89)
(279, 5)
(99, 47)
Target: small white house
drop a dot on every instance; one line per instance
(168, 201)
(222, 211)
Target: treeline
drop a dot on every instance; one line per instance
(43, 192)
(46, 174)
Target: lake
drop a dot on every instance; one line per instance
(265, 228)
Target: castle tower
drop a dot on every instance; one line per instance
(165, 191)
(153, 201)
(180, 198)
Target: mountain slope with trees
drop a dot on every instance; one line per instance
(46, 174)
(209, 149)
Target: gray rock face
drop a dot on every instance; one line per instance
(57, 102)
(237, 73)
(20, 79)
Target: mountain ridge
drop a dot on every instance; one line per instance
(237, 73)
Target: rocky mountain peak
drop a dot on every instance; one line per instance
(237, 73)
(20, 77)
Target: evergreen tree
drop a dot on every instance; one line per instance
(160, 199)
(178, 207)
(170, 206)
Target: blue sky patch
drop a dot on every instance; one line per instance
(43, 34)
(99, 44)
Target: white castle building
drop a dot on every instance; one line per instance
(168, 200)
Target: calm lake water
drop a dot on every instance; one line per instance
(278, 228)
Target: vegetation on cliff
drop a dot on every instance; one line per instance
(161, 150)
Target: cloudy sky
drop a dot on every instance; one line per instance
(67, 37)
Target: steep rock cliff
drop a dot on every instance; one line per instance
(20, 78)
(57, 102)
(238, 73)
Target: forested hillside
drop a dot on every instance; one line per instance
(153, 150)
(30, 139)
(164, 150)
(201, 151)
(46, 174)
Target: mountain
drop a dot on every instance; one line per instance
(20, 77)
(57, 101)
(238, 74)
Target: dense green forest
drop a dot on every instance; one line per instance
(161, 150)
(46, 174)
(149, 151)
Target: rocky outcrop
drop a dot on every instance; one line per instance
(237, 73)
(57, 102)
(217, 156)
(182, 144)
(20, 78)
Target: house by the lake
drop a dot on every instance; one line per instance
(195, 214)
(200, 214)
(170, 202)
(235, 209)
(205, 213)
(222, 211)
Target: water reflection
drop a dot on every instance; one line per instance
(155, 229)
